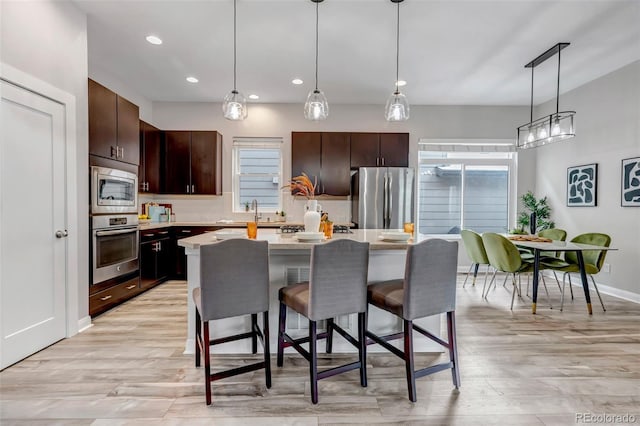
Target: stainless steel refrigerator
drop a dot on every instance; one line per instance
(382, 197)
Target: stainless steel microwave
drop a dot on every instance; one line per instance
(113, 191)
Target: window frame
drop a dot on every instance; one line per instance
(472, 147)
(240, 143)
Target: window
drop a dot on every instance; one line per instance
(465, 185)
(257, 171)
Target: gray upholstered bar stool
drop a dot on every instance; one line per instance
(337, 286)
(428, 288)
(234, 281)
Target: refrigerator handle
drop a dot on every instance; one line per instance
(389, 199)
(385, 202)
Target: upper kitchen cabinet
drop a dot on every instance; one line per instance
(335, 176)
(379, 149)
(113, 125)
(150, 158)
(324, 156)
(193, 162)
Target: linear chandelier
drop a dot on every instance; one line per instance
(551, 128)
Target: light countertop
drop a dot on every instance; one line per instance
(280, 241)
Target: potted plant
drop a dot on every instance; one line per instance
(246, 206)
(536, 214)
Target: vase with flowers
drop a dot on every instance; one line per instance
(302, 186)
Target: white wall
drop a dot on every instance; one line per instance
(607, 131)
(48, 40)
(279, 120)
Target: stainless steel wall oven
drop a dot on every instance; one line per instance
(115, 246)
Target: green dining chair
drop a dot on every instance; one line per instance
(593, 261)
(553, 258)
(476, 253)
(504, 256)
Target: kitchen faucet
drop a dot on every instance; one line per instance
(254, 205)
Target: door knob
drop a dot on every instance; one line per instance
(61, 234)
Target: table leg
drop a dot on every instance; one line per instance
(585, 283)
(536, 272)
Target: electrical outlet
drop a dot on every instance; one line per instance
(606, 268)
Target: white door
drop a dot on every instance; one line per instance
(32, 209)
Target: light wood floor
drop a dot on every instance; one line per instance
(516, 369)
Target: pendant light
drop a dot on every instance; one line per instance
(234, 106)
(549, 128)
(397, 108)
(316, 108)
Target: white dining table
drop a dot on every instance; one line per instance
(578, 248)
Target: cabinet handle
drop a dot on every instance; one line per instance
(187, 189)
(159, 245)
(106, 298)
(186, 231)
(383, 161)
(121, 152)
(148, 235)
(193, 189)
(163, 232)
(131, 286)
(114, 151)
(377, 161)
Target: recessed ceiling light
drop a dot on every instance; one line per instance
(254, 97)
(297, 81)
(154, 40)
(402, 83)
(192, 79)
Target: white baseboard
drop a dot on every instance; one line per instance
(605, 289)
(84, 323)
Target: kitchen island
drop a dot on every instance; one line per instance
(289, 264)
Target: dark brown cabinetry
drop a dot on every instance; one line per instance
(114, 295)
(180, 267)
(379, 150)
(150, 158)
(113, 125)
(325, 156)
(193, 162)
(156, 253)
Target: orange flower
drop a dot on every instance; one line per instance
(301, 185)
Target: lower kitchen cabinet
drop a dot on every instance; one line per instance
(180, 271)
(114, 295)
(156, 251)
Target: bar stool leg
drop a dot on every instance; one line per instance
(267, 353)
(207, 362)
(408, 359)
(453, 348)
(198, 337)
(254, 334)
(313, 362)
(282, 319)
(329, 335)
(362, 349)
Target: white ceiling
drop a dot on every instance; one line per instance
(451, 52)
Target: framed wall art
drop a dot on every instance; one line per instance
(631, 182)
(582, 185)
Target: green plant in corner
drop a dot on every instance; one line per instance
(537, 209)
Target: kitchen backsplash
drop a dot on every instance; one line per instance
(211, 209)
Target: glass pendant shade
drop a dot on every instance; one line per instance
(316, 108)
(397, 108)
(234, 106)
